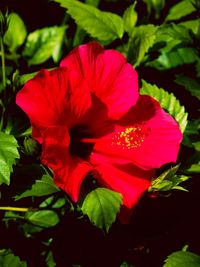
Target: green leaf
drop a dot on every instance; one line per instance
(193, 25)
(101, 206)
(31, 146)
(197, 145)
(141, 40)
(173, 59)
(50, 260)
(42, 187)
(191, 129)
(171, 36)
(92, 2)
(194, 168)
(157, 5)
(16, 33)
(108, 26)
(25, 77)
(43, 44)
(180, 10)
(168, 180)
(8, 259)
(8, 156)
(42, 218)
(182, 259)
(130, 18)
(80, 33)
(125, 264)
(189, 84)
(168, 101)
(193, 164)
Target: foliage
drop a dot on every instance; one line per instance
(9, 259)
(161, 40)
(182, 259)
(168, 102)
(102, 205)
(168, 180)
(8, 156)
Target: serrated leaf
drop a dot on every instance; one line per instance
(42, 44)
(80, 33)
(168, 180)
(101, 206)
(141, 40)
(168, 101)
(180, 10)
(42, 218)
(182, 259)
(130, 18)
(104, 26)
(16, 33)
(42, 187)
(8, 156)
(189, 84)
(8, 259)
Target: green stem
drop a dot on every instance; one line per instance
(3, 63)
(15, 209)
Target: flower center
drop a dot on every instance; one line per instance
(77, 147)
(132, 137)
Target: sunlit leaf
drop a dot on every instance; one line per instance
(141, 40)
(193, 25)
(101, 206)
(42, 218)
(8, 156)
(104, 26)
(168, 180)
(182, 259)
(42, 44)
(180, 10)
(130, 18)
(173, 59)
(8, 259)
(80, 33)
(168, 101)
(189, 84)
(16, 33)
(42, 187)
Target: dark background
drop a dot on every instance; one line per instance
(160, 225)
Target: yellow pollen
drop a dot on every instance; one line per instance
(131, 137)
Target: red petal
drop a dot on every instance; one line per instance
(71, 177)
(55, 149)
(53, 98)
(155, 137)
(69, 172)
(108, 75)
(126, 179)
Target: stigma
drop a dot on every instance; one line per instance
(131, 137)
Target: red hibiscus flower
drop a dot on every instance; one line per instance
(89, 118)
